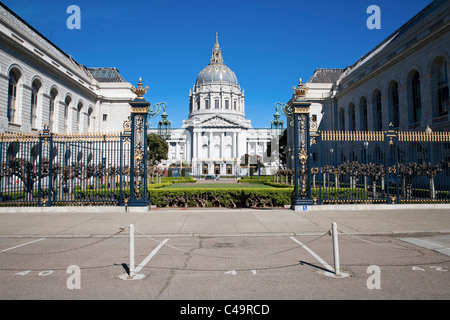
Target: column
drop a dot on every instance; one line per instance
(198, 144)
(237, 145)
(210, 145)
(233, 146)
(222, 147)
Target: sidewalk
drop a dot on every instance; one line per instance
(105, 221)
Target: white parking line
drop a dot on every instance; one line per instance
(23, 244)
(323, 262)
(146, 260)
(428, 245)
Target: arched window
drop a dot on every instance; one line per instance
(415, 96)
(442, 87)
(342, 119)
(216, 152)
(51, 108)
(79, 124)
(394, 115)
(376, 106)
(352, 118)
(363, 114)
(13, 84)
(228, 151)
(35, 87)
(68, 101)
(90, 122)
(205, 151)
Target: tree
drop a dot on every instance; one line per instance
(157, 149)
(282, 145)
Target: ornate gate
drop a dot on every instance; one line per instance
(63, 169)
(390, 166)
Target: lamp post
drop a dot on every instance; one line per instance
(257, 157)
(164, 125)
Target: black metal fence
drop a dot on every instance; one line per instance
(48, 169)
(380, 167)
(53, 169)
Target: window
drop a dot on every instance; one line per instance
(34, 103)
(342, 119)
(363, 114)
(442, 88)
(90, 124)
(228, 151)
(66, 113)
(51, 108)
(377, 116)
(205, 151)
(79, 124)
(14, 77)
(352, 124)
(416, 96)
(235, 105)
(394, 116)
(216, 152)
(216, 102)
(206, 104)
(105, 117)
(227, 104)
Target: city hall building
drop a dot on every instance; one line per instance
(217, 139)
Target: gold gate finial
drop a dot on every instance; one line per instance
(140, 90)
(300, 91)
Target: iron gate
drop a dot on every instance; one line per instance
(59, 169)
(380, 167)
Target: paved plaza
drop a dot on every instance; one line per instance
(224, 254)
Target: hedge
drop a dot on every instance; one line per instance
(219, 197)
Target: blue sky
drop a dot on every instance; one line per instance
(268, 44)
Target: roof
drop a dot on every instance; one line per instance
(326, 75)
(106, 74)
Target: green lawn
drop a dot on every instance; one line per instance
(217, 185)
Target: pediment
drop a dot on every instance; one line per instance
(219, 121)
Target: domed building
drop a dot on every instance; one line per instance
(216, 137)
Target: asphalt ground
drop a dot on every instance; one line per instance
(223, 255)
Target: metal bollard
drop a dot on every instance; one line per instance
(132, 268)
(334, 233)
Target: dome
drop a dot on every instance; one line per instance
(216, 71)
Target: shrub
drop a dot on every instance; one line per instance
(221, 197)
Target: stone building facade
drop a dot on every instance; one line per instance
(41, 84)
(401, 84)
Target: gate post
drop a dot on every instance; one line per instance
(138, 148)
(45, 166)
(391, 166)
(302, 163)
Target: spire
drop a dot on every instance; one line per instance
(216, 46)
(216, 57)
